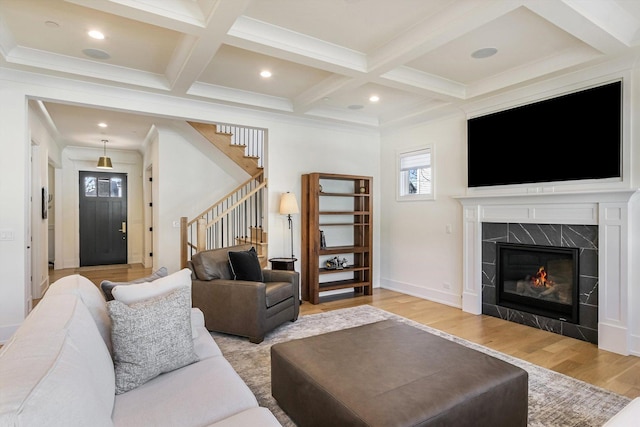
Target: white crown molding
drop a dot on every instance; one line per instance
(264, 34)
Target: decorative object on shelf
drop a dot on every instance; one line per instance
(104, 162)
(336, 263)
(323, 241)
(320, 188)
(289, 206)
(363, 190)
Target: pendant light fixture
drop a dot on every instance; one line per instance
(104, 162)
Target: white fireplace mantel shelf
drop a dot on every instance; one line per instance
(614, 212)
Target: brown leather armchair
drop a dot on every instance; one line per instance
(240, 307)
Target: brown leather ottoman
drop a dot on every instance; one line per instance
(392, 374)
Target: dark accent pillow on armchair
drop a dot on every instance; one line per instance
(245, 265)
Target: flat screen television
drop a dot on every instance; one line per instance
(572, 137)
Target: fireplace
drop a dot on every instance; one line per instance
(568, 253)
(541, 280)
(600, 222)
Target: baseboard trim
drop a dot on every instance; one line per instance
(421, 292)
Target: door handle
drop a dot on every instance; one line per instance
(124, 227)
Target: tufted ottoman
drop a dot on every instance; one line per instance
(391, 374)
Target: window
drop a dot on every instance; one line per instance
(416, 175)
(102, 187)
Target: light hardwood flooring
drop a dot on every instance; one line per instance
(568, 356)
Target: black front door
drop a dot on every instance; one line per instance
(103, 218)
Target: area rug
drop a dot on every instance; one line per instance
(555, 400)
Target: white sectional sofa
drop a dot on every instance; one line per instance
(58, 370)
(628, 417)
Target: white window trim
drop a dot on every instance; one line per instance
(399, 182)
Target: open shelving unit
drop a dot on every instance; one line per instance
(340, 206)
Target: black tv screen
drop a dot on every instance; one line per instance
(571, 137)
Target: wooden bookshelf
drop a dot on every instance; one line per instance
(343, 204)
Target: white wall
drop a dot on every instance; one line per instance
(298, 149)
(43, 148)
(187, 181)
(419, 256)
(15, 147)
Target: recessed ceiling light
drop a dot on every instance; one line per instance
(485, 52)
(95, 34)
(96, 53)
(374, 98)
(102, 125)
(265, 73)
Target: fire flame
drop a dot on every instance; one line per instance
(540, 279)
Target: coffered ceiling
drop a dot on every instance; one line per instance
(326, 57)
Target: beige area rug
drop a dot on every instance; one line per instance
(555, 400)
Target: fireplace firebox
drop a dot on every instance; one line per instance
(537, 279)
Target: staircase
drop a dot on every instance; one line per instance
(238, 217)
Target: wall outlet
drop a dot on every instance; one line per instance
(449, 229)
(6, 235)
(446, 285)
(176, 224)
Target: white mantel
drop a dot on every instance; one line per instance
(616, 215)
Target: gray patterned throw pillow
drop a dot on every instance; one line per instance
(151, 337)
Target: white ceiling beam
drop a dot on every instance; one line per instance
(86, 68)
(609, 16)
(236, 96)
(255, 35)
(184, 16)
(193, 54)
(412, 78)
(576, 18)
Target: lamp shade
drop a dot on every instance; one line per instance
(104, 163)
(288, 204)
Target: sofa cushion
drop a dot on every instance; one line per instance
(151, 337)
(214, 263)
(107, 285)
(56, 369)
(138, 292)
(179, 398)
(92, 298)
(251, 417)
(245, 265)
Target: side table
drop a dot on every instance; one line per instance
(283, 263)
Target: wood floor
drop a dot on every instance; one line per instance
(568, 356)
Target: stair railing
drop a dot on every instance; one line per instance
(252, 138)
(232, 218)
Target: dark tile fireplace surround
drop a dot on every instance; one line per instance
(583, 237)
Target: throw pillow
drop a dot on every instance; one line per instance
(150, 338)
(138, 292)
(107, 286)
(245, 265)
(129, 294)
